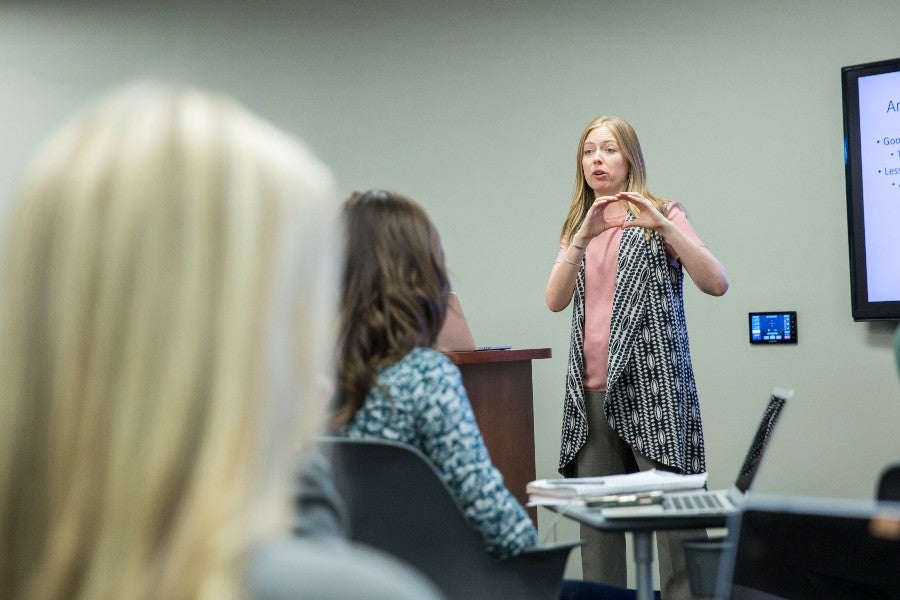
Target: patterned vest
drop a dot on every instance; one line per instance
(651, 397)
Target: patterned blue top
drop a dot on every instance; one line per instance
(426, 406)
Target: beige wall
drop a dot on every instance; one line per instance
(476, 112)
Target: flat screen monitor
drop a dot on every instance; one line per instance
(804, 548)
(871, 97)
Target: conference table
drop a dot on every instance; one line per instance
(642, 535)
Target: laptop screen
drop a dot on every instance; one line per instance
(761, 438)
(455, 334)
(818, 548)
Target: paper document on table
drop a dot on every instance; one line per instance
(560, 491)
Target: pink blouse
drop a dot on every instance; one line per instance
(601, 258)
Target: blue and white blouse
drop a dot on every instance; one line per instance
(421, 401)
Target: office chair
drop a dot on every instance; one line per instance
(398, 503)
(889, 483)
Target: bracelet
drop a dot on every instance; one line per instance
(574, 264)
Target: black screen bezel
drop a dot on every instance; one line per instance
(861, 308)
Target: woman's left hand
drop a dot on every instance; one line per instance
(704, 268)
(647, 214)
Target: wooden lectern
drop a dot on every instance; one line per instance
(499, 386)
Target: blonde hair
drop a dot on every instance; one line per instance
(164, 308)
(636, 181)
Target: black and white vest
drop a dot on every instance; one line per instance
(651, 397)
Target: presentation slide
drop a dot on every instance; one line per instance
(879, 128)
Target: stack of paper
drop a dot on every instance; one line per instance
(563, 491)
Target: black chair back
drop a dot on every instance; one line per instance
(889, 484)
(397, 502)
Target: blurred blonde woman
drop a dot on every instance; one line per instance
(168, 287)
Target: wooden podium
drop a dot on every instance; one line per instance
(500, 389)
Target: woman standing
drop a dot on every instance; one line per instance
(631, 402)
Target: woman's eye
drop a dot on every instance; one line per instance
(610, 150)
(588, 151)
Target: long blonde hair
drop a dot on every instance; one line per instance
(164, 307)
(636, 181)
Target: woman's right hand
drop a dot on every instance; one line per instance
(603, 214)
(606, 212)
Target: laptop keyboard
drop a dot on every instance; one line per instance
(688, 502)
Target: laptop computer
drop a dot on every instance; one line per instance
(795, 547)
(455, 334)
(714, 503)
